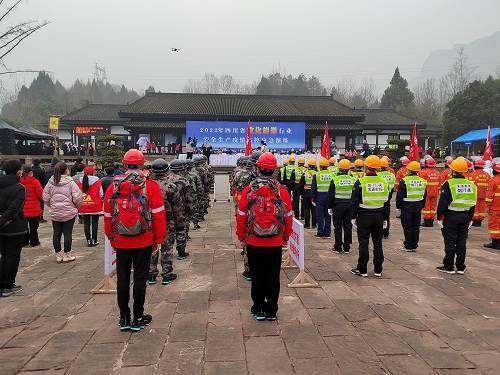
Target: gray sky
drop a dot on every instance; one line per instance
(332, 39)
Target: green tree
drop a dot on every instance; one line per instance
(397, 96)
(109, 149)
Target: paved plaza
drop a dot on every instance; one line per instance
(413, 320)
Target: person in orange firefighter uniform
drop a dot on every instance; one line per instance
(446, 172)
(431, 175)
(493, 202)
(481, 179)
(402, 172)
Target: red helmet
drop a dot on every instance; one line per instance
(430, 162)
(267, 161)
(479, 163)
(496, 167)
(134, 156)
(470, 165)
(448, 160)
(404, 160)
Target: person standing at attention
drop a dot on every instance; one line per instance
(32, 205)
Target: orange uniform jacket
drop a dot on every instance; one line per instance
(481, 179)
(444, 176)
(400, 174)
(493, 202)
(431, 175)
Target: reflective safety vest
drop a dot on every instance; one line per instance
(389, 177)
(357, 174)
(308, 177)
(282, 172)
(323, 179)
(298, 173)
(463, 194)
(415, 188)
(375, 192)
(343, 186)
(288, 170)
(333, 169)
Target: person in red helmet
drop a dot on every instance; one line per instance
(135, 223)
(493, 202)
(91, 207)
(263, 225)
(481, 179)
(431, 175)
(402, 172)
(446, 172)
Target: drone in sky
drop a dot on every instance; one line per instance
(176, 50)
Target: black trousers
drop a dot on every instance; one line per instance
(410, 220)
(10, 251)
(60, 228)
(265, 266)
(309, 211)
(296, 204)
(385, 232)
(125, 259)
(455, 231)
(189, 155)
(90, 226)
(370, 224)
(31, 236)
(342, 223)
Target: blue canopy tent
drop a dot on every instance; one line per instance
(476, 135)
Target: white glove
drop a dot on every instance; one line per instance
(384, 226)
(470, 225)
(353, 222)
(440, 223)
(330, 211)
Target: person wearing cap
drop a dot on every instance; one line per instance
(134, 249)
(295, 187)
(455, 213)
(431, 175)
(265, 235)
(493, 202)
(410, 200)
(91, 207)
(340, 192)
(445, 174)
(357, 172)
(401, 171)
(288, 172)
(481, 179)
(333, 168)
(305, 184)
(282, 173)
(389, 176)
(319, 191)
(370, 211)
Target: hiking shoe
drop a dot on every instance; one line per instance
(253, 311)
(246, 275)
(145, 320)
(183, 255)
(461, 272)
(6, 292)
(16, 288)
(140, 323)
(271, 317)
(124, 323)
(152, 280)
(67, 257)
(260, 316)
(337, 251)
(167, 279)
(357, 272)
(59, 257)
(378, 274)
(95, 243)
(89, 243)
(347, 250)
(445, 269)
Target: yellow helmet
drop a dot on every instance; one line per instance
(311, 162)
(332, 160)
(301, 160)
(344, 164)
(384, 163)
(285, 162)
(323, 162)
(358, 163)
(413, 166)
(372, 162)
(291, 159)
(459, 165)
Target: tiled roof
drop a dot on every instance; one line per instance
(96, 112)
(384, 116)
(241, 106)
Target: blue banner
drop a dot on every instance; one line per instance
(232, 135)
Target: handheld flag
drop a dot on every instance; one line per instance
(325, 146)
(414, 149)
(488, 149)
(248, 144)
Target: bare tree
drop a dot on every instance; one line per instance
(354, 95)
(460, 75)
(429, 104)
(12, 35)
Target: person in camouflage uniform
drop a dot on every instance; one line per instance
(198, 209)
(174, 215)
(177, 168)
(203, 173)
(239, 167)
(211, 177)
(192, 218)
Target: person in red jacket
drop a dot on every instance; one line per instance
(135, 223)
(91, 207)
(263, 225)
(446, 172)
(32, 205)
(481, 179)
(431, 175)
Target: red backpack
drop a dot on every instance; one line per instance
(266, 210)
(130, 211)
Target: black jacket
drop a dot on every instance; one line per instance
(106, 181)
(39, 174)
(12, 195)
(74, 170)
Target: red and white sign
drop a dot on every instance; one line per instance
(109, 257)
(296, 244)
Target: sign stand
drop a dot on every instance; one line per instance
(295, 258)
(108, 284)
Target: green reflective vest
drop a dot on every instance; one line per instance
(357, 174)
(343, 186)
(308, 177)
(282, 172)
(375, 192)
(389, 177)
(298, 173)
(463, 194)
(415, 188)
(333, 169)
(288, 170)
(323, 179)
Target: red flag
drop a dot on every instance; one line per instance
(248, 145)
(414, 149)
(325, 146)
(488, 149)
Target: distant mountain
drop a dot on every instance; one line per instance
(483, 54)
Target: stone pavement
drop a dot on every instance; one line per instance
(414, 320)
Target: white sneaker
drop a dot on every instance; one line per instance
(67, 257)
(59, 257)
(377, 274)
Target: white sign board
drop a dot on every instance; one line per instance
(296, 244)
(109, 257)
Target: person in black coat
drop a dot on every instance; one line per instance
(38, 172)
(50, 171)
(78, 162)
(12, 226)
(108, 179)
